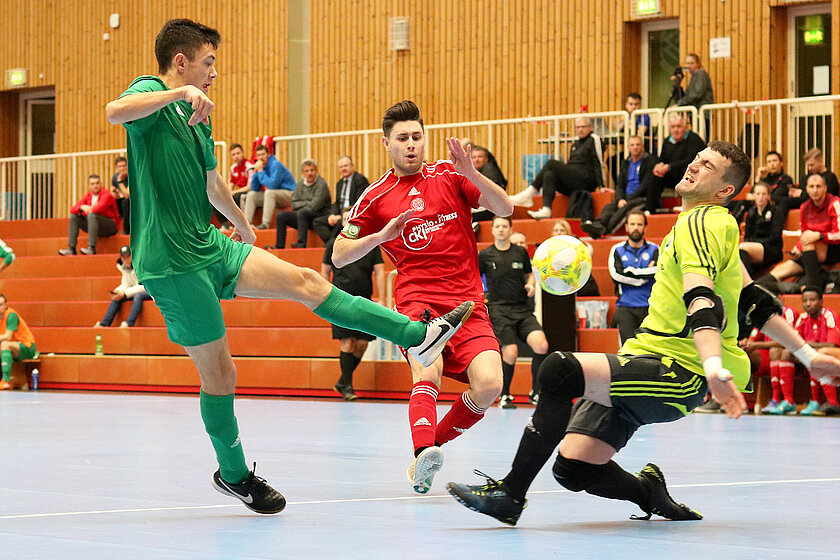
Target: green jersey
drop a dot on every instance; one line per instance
(703, 241)
(168, 162)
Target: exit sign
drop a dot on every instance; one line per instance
(16, 77)
(814, 37)
(647, 7)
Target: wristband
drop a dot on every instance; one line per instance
(714, 366)
(805, 355)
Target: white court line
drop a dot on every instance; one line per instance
(395, 499)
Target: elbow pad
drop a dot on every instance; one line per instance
(713, 317)
(756, 305)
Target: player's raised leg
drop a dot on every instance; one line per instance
(265, 276)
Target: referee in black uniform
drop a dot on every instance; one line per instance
(355, 279)
(506, 269)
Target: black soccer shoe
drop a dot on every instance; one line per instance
(490, 499)
(254, 492)
(659, 501)
(438, 333)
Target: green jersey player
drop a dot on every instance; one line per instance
(187, 265)
(686, 344)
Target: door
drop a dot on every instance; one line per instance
(660, 57)
(35, 197)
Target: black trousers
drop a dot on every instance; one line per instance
(659, 184)
(558, 177)
(301, 218)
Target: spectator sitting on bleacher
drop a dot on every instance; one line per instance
(678, 150)
(348, 189)
(518, 238)
(7, 256)
(818, 325)
(129, 289)
(271, 185)
(238, 182)
(16, 342)
(819, 243)
(773, 174)
(583, 172)
(96, 213)
(121, 193)
(486, 164)
(762, 245)
(630, 191)
(562, 227)
(311, 199)
(781, 369)
(794, 196)
(632, 264)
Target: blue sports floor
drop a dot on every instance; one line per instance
(96, 476)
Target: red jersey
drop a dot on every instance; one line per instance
(825, 220)
(239, 174)
(822, 329)
(436, 255)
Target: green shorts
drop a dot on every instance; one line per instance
(189, 302)
(26, 353)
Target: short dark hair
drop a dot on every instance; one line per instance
(94, 176)
(3, 297)
(234, 146)
(815, 175)
(762, 184)
(774, 153)
(638, 212)
(481, 149)
(740, 167)
(811, 288)
(634, 95)
(505, 218)
(185, 36)
(398, 112)
(120, 159)
(261, 148)
(696, 57)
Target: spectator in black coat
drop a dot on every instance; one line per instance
(678, 151)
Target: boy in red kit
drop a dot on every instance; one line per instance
(818, 325)
(420, 214)
(780, 367)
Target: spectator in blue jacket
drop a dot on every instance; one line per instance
(632, 265)
(272, 186)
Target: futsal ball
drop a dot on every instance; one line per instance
(562, 264)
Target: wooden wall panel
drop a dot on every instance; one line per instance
(62, 41)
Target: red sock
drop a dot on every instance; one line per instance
(786, 371)
(422, 414)
(463, 414)
(774, 381)
(830, 394)
(816, 390)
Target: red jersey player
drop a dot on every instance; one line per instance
(420, 214)
(778, 364)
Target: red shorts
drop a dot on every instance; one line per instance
(764, 367)
(473, 338)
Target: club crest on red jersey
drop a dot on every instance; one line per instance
(418, 204)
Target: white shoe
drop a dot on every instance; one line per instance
(544, 212)
(422, 471)
(438, 333)
(97, 325)
(123, 325)
(524, 198)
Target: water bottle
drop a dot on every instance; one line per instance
(34, 384)
(99, 351)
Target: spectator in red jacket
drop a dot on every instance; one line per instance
(819, 243)
(96, 213)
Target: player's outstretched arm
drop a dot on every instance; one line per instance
(707, 339)
(138, 105)
(819, 365)
(348, 250)
(493, 197)
(221, 199)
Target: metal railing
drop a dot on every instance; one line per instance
(46, 186)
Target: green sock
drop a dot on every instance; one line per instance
(6, 364)
(358, 313)
(221, 426)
